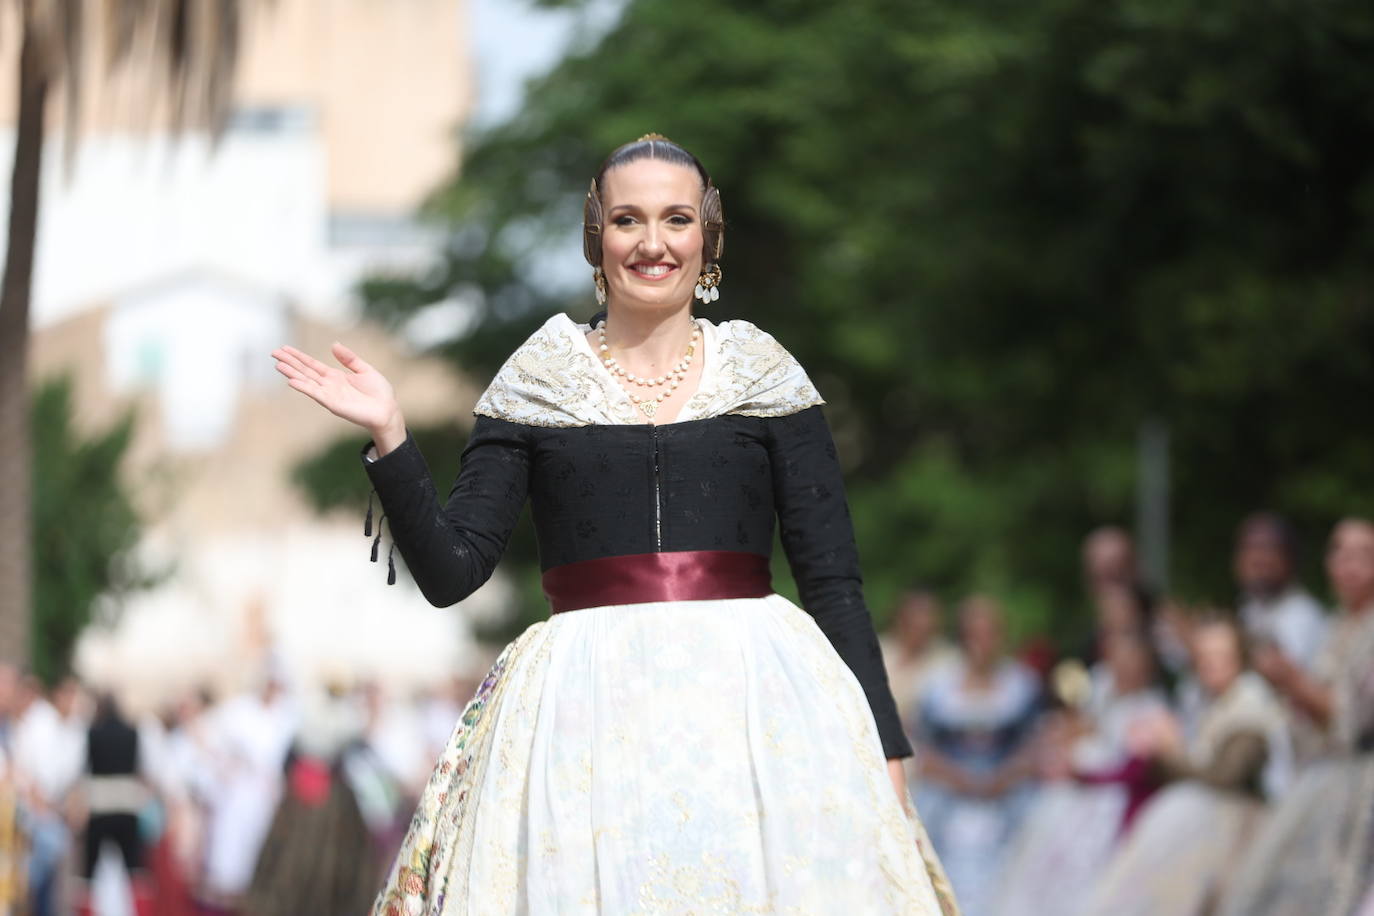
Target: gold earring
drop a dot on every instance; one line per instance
(599, 278)
(708, 284)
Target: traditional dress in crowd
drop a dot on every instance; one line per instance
(317, 856)
(249, 738)
(1073, 824)
(1316, 854)
(676, 737)
(116, 795)
(183, 772)
(12, 850)
(48, 753)
(978, 730)
(1179, 856)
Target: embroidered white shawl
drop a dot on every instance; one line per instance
(555, 379)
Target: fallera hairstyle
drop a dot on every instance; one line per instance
(653, 146)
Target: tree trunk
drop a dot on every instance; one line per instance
(16, 460)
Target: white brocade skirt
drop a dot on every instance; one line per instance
(666, 758)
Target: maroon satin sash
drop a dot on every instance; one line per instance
(684, 575)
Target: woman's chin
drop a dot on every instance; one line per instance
(653, 299)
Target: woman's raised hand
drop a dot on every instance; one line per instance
(358, 393)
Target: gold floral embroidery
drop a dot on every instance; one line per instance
(753, 375)
(553, 379)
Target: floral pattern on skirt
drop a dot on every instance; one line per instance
(708, 756)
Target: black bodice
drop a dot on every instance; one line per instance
(613, 490)
(707, 482)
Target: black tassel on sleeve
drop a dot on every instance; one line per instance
(377, 541)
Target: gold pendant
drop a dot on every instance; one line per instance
(649, 407)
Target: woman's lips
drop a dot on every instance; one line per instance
(652, 272)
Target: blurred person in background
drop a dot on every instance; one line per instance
(394, 732)
(317, 857)
(1111, 580)
(440, 708)
(114, 794)
(385, 799)
(913, 646)
(973, 729)
(1179, 856)
(1090, 786)
(10, 686)
(633, 509)
(1316, 854)
(48, 754)
(1108, 559)
(1125, 691)
(1115, 587)
(249, 736)
(13, 851)
(1274, 607)
(184, 778)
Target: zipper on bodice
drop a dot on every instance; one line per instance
(658, 493)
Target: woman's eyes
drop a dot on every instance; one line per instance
(677, 219)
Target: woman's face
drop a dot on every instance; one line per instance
(1350, 564)
(651, 242)
(1216, 657)
(981, 629)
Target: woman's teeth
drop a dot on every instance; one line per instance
(652, 270)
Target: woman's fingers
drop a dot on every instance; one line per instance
(359, 399)
(308, 364)
(348, 359)
(296, 376)
(291, 365)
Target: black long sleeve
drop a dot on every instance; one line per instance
(452, 548)
(818, 537)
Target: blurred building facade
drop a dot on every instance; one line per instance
(168, 268)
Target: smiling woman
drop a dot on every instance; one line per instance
(676, 737)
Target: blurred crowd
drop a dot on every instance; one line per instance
(1184, 761)
(269, 801)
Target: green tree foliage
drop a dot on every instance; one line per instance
(1000, 236)
(84, 524)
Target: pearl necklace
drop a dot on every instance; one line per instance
(667, 383)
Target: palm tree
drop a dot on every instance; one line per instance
(190, 48)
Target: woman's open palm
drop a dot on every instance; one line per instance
(358, 393)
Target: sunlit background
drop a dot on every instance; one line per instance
(1054, 266)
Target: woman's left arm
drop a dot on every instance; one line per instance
(818, 537)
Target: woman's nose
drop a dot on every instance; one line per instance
(652, 242)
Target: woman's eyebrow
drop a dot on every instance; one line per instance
(633, 208)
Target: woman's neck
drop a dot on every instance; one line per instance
(648, 342)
